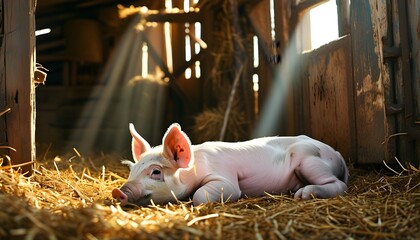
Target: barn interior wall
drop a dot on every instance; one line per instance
(342, 101)
(327, 74)
(375, 123)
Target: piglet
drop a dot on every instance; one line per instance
(222, 171)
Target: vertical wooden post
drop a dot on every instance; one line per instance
(371, 122)
(19, 55)
(2, 82)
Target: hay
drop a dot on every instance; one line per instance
(209, 123)
(70, 198)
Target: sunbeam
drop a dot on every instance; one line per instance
(287, 72)
(128, 93)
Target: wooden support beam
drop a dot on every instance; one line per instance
(18, 63)
(343, 13)
(367, 85)
(3, 106)
(175, 17)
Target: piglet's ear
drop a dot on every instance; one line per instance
(138, 144)
(177, 146)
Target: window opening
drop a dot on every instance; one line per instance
(272, 21)
(167, 36)
(192, 31)
(255, 77)
(187, 43)
(197, 69)
(197, 30)
(323, 26)
(42, 31)
(188, 71)
(255, 51)
(144, 60)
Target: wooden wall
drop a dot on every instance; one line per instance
(360, 92)
(413, 15)
(382, 67)
(328, 96)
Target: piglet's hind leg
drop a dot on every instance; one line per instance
(320, 180)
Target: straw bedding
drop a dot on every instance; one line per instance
(70, 198)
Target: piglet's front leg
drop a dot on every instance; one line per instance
(216, 190)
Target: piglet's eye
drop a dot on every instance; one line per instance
(156, 174)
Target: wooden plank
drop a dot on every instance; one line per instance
(343, 13)
(208, 60)
(413, 8)
(369, 99)
(2, 81)
(329, 97)
(409, 23)
(19, 31)
(174, 17)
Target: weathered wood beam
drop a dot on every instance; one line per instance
(409, 87)
(3, 106)
(175, 17)
(367, 85)
(343, 13)
(19, 45)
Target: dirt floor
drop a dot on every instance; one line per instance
(69, 197)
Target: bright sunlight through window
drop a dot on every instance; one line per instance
(323, 24)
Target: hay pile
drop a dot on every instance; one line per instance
(70, 198)
(209, 123)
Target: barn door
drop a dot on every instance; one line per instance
(361, 92)
(326, 93)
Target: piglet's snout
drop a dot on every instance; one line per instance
(121, 197)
